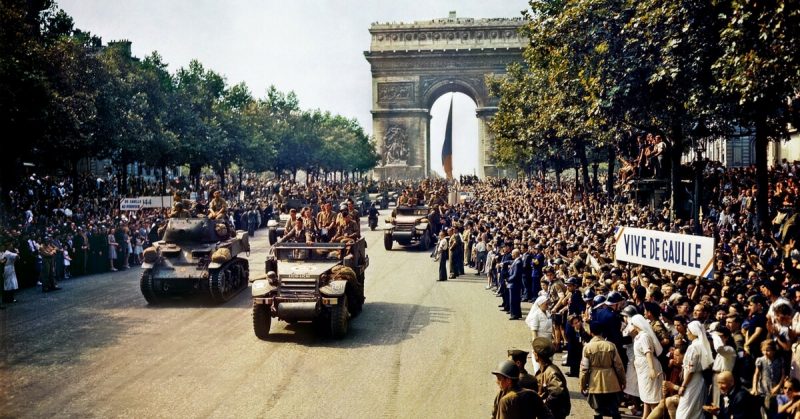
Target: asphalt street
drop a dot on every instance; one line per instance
(420, 349)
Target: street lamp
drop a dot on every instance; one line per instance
(699, 134)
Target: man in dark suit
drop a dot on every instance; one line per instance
(734, 401)
(527, 269)
(502, 265)
(515, 286)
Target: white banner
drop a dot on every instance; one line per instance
(135, 204)
(693, 255)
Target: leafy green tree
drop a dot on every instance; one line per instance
(759, 70)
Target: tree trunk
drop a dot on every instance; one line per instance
(221, 173)
(675, 154)
(163, 179)
(612, 158)
(595, 183)
(762, 195)
(122, 180)
(580, 148)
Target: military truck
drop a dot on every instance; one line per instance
(408, 226)
(319, 282)
(195, 256)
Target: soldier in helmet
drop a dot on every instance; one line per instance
(513, 401)
(346, 229)
(218, 207)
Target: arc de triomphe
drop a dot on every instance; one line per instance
(413, 64)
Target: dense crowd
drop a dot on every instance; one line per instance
(54, 228)
(659, 343)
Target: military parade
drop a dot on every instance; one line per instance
(533, 209)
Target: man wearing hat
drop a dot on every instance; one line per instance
(513, 401)
(552, 383)
(537, 264)
(519, 358)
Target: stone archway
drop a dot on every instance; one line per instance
(413, 64)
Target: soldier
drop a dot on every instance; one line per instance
(218, 207)
(602, 376)
(520, 357)
(513, 401)
(552, 383)
(48, 278)
(178, 211)
(346, 228)
(326, 221)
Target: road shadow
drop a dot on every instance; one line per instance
(64, 339)
(380, 324)
(242, 299)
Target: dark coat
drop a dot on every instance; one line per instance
(515, 274)
(741, 405)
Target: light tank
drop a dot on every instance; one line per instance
(196, 256)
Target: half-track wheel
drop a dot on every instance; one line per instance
(261, 321)
(148, 287)
(338, 320)
(387, 241)
(273, 236)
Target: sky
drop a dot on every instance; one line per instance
(314, 48)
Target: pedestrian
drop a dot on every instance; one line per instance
(646, 349)
(112, 249)
(10, 284)
(520, 358)
(513, 401)
(442, 253)
(697, 359)
(515, 286)
(538, 319)
(552, 383)
(602, 375)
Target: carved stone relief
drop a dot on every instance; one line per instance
(395, 146)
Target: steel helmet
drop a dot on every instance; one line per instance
(507, 369)
(614, 297)
(572, 281)
(598, 300)
(588, 295)
(629, 311)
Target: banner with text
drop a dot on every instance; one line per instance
(693, 255)
(135, 204)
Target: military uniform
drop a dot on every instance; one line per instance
(218, 207)
(518, 402)
(346, 230)
(602, 376)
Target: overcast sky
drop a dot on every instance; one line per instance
(315, 48)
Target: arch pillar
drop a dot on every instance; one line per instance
(402, 128)
(486, 164)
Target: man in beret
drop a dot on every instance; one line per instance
(519, 358)
(552, 383)
(513, 401)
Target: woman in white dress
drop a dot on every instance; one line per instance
(649, 375)
(10, 283)
(693, 389)
(538, 319)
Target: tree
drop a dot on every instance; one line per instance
(760, 70)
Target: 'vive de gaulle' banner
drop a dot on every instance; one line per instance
(693, 255)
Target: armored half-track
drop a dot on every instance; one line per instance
(319, 282)
(409, 226)
(196, 256)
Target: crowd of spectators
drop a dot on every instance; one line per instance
(53, 228)
(680, 339)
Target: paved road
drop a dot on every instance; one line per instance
(420, 349)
